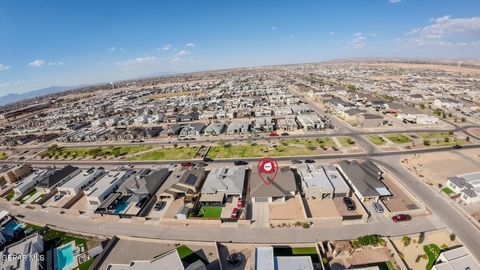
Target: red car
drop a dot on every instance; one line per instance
(273, 134)
(240, 203)
(186, 164)
(234, 213)
(401, 217)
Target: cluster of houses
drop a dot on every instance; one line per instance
(128, 192)
(467, 186)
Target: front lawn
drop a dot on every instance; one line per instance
(376, 139)
(448, 190)
(9, 195)
(398, 138)
(187, 255)
(432, 251)
(209, 212)
(168, 154)
(28, 196)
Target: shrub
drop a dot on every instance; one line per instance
(426, 142)
(418, 258)
(324, 260)
(421, 238)
(444, 246)
(305, 225)
(452, 237)
(406, 240)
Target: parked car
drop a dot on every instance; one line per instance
(401, 217)
(141, 202)
(273, 134)
(240, 203)
(309, 161)
(159, 205)
(456, 146)
(349, 203)
(57, 197)
(234, 213)
(240, 162)
(186, 164)
(296, 161)
(207, 159)
(285, 134)
(377, 207)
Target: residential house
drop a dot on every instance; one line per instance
(310, 122)
(192, 130)
(265, 259)
(12, 175)
(287, 124)
(263, 124)
(29, 182)
(168, 260)
(315, 183)
(447, 103)
(97, 193)
(238, 128)
(365, 178)
(58, 178)
(182, 181)
(456, 259)
(81, 181)
(283, 187)
(214, 129)
(30, 247)
(369, 120)
(468, 185)
(223, 182)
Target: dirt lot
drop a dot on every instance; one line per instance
(434, 168)
(321, 208)
(246, 252)
(81, 204)
(400, 201)
(291, 209)
(173, 208)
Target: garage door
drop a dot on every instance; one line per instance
(261, 199)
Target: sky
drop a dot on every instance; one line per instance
(46, 42)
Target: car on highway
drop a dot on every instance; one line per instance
(186, 164)
(377, 207)
(207, 159)
(309, 161)
(296, 161)
(456, 146)
(159, 205)
(349, 203)
(273, 134)
(285, 134)
(240, 162)
(57, 197)
(234, 213)
(401, 217)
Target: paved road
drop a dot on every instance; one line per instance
(468, 234)
(215, 233)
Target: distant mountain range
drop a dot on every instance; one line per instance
(11, 98)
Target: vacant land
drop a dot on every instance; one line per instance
(168, 154)
(398, 138)
(376, 139)
(107, 151)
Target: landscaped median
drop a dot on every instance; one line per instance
(376, 139)
(167, 154)
(56, 152)
(398, 138)
(440, 139)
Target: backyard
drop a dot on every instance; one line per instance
(297, 251)
(167, 154)
(209, 212)
(187, 255)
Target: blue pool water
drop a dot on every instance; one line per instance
(121, 207)
(64, 257)
(11, 227)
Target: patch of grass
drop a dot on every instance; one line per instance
(318, 142)
(432, 251)
(26, 197)
(3, 155)
(434, 135)
(297, 251)
(345, 141)
(167, 154)
(86, 264)
(210, 212)
(376, 139)
(398, 138)
(448, 190)
(9, 195)
(187, 255)
(107, 151)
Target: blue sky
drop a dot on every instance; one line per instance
(44, 43)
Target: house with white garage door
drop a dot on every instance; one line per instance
(282, 188)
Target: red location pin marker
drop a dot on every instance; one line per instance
(267, 170)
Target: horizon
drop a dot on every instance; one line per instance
(148, 39)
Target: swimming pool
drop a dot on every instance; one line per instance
(11, 227)
(122, 206)
(64, 257)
